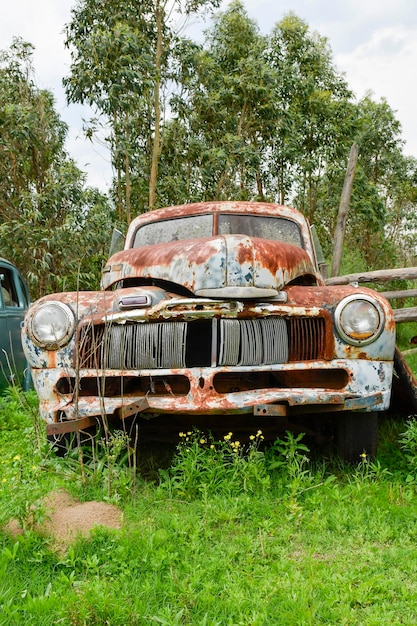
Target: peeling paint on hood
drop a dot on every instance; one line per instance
(216, 262)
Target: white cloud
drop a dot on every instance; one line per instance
(382, 65)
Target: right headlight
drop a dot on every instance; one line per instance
(359, 319)
(51, 325)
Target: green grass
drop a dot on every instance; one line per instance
(224, 536)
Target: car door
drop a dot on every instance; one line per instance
(14, 301)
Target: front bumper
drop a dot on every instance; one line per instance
(366, 387)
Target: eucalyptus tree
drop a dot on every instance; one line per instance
(314, 118)
(385, 194)
(121, 66)
(401, 210)
(31, 132)
(43, 199)
(111, 45)
(381, 225)
(227, 107)
(241, 115)
(269, 113)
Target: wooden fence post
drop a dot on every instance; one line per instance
(344, 209)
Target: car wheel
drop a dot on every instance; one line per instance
(356, 434)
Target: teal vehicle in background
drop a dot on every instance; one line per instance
(14, 302)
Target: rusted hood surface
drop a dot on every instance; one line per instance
(227, 261)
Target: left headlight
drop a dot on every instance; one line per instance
(51, 325)
(359, 319)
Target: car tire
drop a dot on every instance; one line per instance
(356, 435)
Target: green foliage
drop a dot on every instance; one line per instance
(54, 229)
(270, 117)
(32, 135)
(290, 456)
(404, 331)
(411, 360)
(311, 94)
(14, 408)
(21, 467)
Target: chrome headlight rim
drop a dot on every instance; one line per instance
(373, 334)
(52, 339)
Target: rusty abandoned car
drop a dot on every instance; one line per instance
(216, 313)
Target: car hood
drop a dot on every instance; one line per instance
(227, 265)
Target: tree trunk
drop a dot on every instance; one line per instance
(344, 209)
(127, 187)
(157, 109)
(259, 186)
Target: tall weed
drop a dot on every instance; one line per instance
(203, 467)
(104, 466)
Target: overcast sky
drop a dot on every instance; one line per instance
(374, 42)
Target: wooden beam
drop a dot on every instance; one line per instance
(410, 351)
(402, 273)
(408, 314)
(405, 293)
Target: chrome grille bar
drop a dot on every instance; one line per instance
(253, 342)
(144, 346)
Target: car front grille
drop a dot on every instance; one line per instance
(201, 343)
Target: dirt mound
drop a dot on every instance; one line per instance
(66, 518)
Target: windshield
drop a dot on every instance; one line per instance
(198, 226)
(276, 228)
(180, 228)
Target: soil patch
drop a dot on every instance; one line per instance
(66, 519)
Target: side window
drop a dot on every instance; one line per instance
(8, 288)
